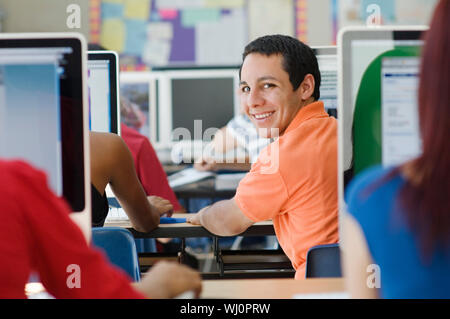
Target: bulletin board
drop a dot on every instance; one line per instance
(171, 32)
(149, 33)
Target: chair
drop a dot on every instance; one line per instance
(118, 244)
(323, 261)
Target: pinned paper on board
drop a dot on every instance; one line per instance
(137, 9)
(262, 10)
(114, 1)
(212, 35)
(160, 30)
(112, 35)
(225, 4)
(168, 14)
(156, 52)
(136, 36)
(112, 10)
(178, 4)
(191, 17)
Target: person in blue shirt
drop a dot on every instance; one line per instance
(396, 237)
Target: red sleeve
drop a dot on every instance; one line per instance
(152, 175)
(51, 243)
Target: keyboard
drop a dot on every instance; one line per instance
(116, 214)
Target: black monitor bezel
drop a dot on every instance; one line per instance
(73, 146)
(113, 87)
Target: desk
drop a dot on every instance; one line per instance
(187, 230)
(269, 288)
(202, 189)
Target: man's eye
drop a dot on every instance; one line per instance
(268, 85)
(245, 89)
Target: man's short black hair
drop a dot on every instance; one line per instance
(298, 58)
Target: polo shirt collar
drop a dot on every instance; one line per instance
(313, 110)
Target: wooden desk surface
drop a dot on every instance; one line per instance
(269, 288)
(186, 230)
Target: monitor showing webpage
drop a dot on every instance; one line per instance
(41, 114)
(99, 96)
(384, 94)
(328, 80)
(103, 91)
(379, 81)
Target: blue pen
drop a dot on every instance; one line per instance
(171, 220)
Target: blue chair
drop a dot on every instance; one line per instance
(118, 244)
(323, 261)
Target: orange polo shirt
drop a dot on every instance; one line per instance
(294, 183)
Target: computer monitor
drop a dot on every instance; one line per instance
(103, 83)
(43, 118)
(327, 60)
(194, 103)
(139, 103)
(378, 120)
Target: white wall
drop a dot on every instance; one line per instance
(42, 16)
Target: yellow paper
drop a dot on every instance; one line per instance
(114, 1)
(224, 4)
(112, 36)
(137, 9)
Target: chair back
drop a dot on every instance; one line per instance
(118, 244)
(323, 261)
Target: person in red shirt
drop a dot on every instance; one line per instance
(37, 235)
(148, 168)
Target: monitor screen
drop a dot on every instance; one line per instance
(103, 94)
(139, 103)
(199, 104)
(200, 101)
(380, 70)
(41, 109)
(327, 60)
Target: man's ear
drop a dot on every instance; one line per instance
(306, 88)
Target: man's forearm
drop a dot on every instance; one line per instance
(219, 220)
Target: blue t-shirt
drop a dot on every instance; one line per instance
(394, 247)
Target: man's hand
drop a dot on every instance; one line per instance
(168, 280)
(163, 206)
(195, 218)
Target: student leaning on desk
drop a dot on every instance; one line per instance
(294, 180)
(399, 218)
(112, 162)
(37, 235)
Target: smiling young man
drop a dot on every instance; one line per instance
(294, 180)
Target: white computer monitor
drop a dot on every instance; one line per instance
(103, 91)
(377, 98)
(140, 90)
(327, 60)
(194, 103)
(43, 112)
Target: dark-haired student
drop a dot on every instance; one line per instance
(37, 235)
(294, 180)
(396, 238)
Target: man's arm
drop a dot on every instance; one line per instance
(223, 218)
